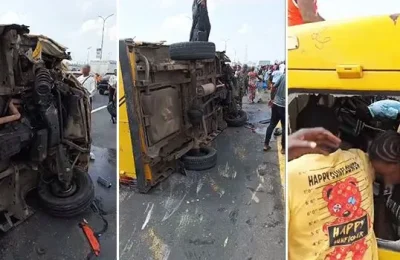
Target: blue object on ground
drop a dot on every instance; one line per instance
(265, 85)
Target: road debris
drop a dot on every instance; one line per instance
(104, 182)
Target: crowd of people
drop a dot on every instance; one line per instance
(251, 79)
(271, 77)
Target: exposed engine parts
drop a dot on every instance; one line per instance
(43, 86)
(44, 129)
(45, 101)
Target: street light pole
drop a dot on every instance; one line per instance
(226, 41)
(102, 34)
(245, 54)
(88, 53)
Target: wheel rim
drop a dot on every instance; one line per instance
(58, 191)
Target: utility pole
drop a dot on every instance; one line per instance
(245, 55)
(88, 53)
(226, 41)
(102, 34)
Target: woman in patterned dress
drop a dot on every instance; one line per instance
(252, 84)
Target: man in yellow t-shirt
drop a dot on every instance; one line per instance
(330, 201)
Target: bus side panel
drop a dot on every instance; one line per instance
(126, 156)
(132, 119)
(384, 254)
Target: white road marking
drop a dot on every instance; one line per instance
(148, 215)
(98, 109)
(169, 207)
(199, 186)
(129, 245)
(254, 196)
(226, 172)
(226, 241)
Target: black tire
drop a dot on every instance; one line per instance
(207, 159)
(68, 206)
(240, 120)
(101, 91)
(192, 51)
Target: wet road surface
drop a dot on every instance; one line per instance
(234, 211)
(62, 239)
(103, 131)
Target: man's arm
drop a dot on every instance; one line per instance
(273, 92)
(307, 10)
(311, 140)
(275, 85)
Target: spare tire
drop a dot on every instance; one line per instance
(69, 203)
(239, 120)
(200, 159)
(192, 51)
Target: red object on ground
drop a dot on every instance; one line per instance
(91, 237)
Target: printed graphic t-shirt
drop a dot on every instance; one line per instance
(331, 207)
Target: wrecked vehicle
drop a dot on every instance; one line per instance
(348, 75)
(44, 129)
(174, 101)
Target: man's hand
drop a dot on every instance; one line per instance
(310, 140)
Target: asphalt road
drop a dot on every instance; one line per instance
(234, 211)
(62, 239)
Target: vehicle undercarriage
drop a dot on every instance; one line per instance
(44, 129)
(183, 96)
(186, 98)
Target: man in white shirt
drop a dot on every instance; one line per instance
(89, 83)
(276, 74)
(112, 83)
(282, 67)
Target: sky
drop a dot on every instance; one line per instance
(74, 24)
(344, 9)
(257, 24)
